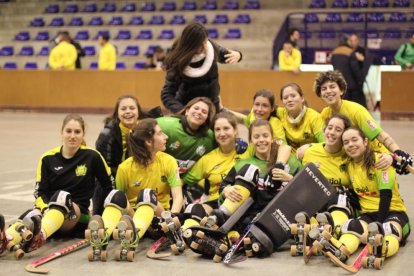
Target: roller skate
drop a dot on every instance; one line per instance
(324, 242)
(34, 225)
(299, 231)
(125, 232)
(98, 239)
(209, 222)
(19, 234)
(377, 246)
(171, 227)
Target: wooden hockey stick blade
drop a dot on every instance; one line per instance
(152, 252)
(409, 168)
(33, 266)
(355, 267)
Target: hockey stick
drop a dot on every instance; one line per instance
(408, 168)
(32, 267)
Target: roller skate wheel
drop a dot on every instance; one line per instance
(294, 229)
(365, 262)
(315, 251)
(104, 255)
(10, 246)
(256, 247)
(326, 235)
(115, 234)
(164, 227)
(130, 256)
(223, 247)
(345, 251)
(118, 255)
(293, 250)
(19, 254)
(318, 245)
(249, 253)
(306, 228)
(378, 262)
(101, 234)
(174, 249)
(200, 234)
(177, 223)
(378, 239)
(93, 225)
(27, 235)
(88, 234)
(327, 228)
(194, 245)
(128, 235)
(306, 249)
(217, 258)
(187, 233)
(90, 255)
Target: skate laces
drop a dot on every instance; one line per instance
(128, 244)
(98, 243)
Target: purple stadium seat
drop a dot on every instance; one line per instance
(30, 66)
(82, 35)
(333, 17)
(57, 22)
(136, 20)
(93, 65)
(42, 36)
(52, 8)
(123, 35)
(355, 17)
(376, 17)
(44, 51)
(392, 33)
(412, 18)
(252, 5)
(71, 8)
(10, 65)
(348, 31)
(96, 21)
(129, 7)
(398, 17)
(168, 6)
(157, 20)
(311, 18)
(131, 50)
(22, 36)
(140, 65)
(145, 34)
(90, 7)
(213, 33)
(359, 4)
(317, 4)
(26, 51)
(401, 3)
(76, 21)
(116, 21)
(372, 33)
(37, 22)
(189, 6)
(221, 19)
(7, 51)
(150, 50)
(120, 65)
(109, 7)
(166, 34)
(327, 34)
(231, 5)
(202, 18)
(89, 50)
(209, 5)
(340, 4)
(306, 34)
(148, 7)
(177, 19)
(233, 33)
(380, 4)
(242, 19)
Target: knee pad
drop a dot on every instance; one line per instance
(147, 197)
(62, 201)
(390, 228)
(248, 177)
(195, 211)
(117, 199)
(341, 202)
(353, 226)
(30, 213)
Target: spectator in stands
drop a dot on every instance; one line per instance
(294, 36)
(364, 57)
(156, 60)
(63, 56)
(107, 53)
(344, 59)
(405, 55)
(79, 50)
(290, 58)
(192, 69)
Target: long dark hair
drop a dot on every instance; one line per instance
(274, 147)
(265, 93)
(142, 132)
(203, 129)
(114, 116)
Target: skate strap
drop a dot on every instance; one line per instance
(233, 219)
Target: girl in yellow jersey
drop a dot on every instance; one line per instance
(331, 86)
(382, 208)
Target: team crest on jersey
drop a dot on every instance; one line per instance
(385, 177)
(81, 170)
(371, 124)
(201, 150)
(137, 183)
(342, 167)
(175, 145)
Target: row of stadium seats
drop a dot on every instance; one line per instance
(334, 17)
(139, 20)
(152, 6)
(390, 33)
(120, 65)
(344, 4)
(145, 34)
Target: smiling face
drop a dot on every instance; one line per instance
(333, 132)
(292, 100)
(224, 133)
(355, 146)
(261, 137)
(331, 93)
(197, 114)
(262, 108)
(128, 112)
(72, 135)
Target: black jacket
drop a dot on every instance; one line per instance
(344, 60)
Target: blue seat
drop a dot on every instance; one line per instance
(120, 65)
(90, 7)
(166, 34)
(129, 7)
(89, 50)
(151, 49)
(52, 8)
(231, 5)
(376, 17)
(71, 8)
(333, 17)
(140, 65)
(145, 34)
(327, 34)
(401, 3)
(221, 19)
(131, 50)
(311, 18)
(307, 34)
(202, 18)
(412, 18)
(348, 31)
(44, 51)
(7, 51)
(393, 33)
(372, 33)
(209, 5)
(109, 7)
(213, 33)
(22, 36)
(116, 21)
(355, 17)
(317, 4)
(189, 6)
(123, 35)
(242, 19)
(76, 21)
(340, 4)
(102, 32)
(157, 20)
(359, 4)
(148, 7)
(82, 35)
(233, 33)
(168, 6)
(93, 65)
(10, 65)
(26, 51)
(37, 22)
(136, 20)
(57, 22)
(398, 17)
(30, 66)
(96, 21)
(380, 4)
(409, 33)
(252, 5)
(177, 20)
(42, 36)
